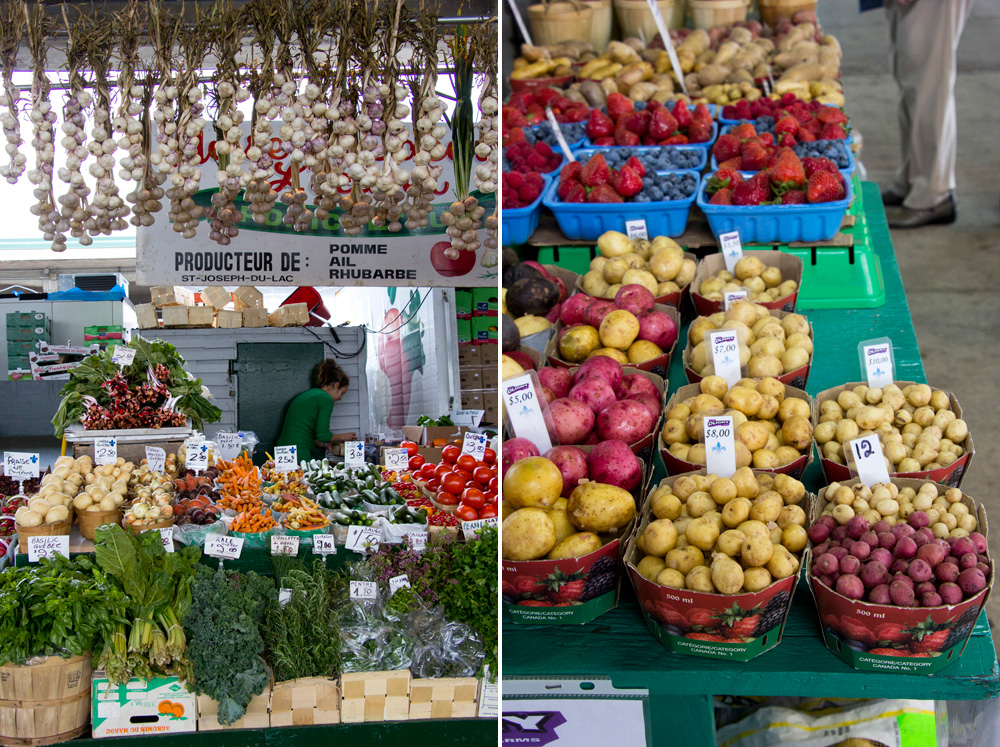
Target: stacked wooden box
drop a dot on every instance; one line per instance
(178, 309)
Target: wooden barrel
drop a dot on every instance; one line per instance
(772, 10)
(558, 22)
(45, 703)
(45, 530)
(90, 520)
(138, 529)
(706, 14)
(635, 14)
(600, 24)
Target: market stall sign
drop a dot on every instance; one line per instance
(731, 297)
(284, 545)
(474, 444)
(324, 544)
(286, 458)
(362, 539)
(525, 412)
(47, 547)
(196, 456)
(224, 548)
(402, 581)
(229, 445)
(167, 538)
(364, 590)
(20, 465)
(397, 459)
(877, 362)
(731, 248)
(418, 539)
(725, 352)
(470, 528)
(106, 451)
(156, 459)
(471, 418)
(866, 457)
(720, 445)
(354, 454)
(636, 229)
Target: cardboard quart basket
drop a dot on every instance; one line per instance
(677, 466)
(736, 627)
(796, 378)
(789, 264)
(659, 365)
(886, 638)
(670, 299)
(531, 595)
(952, 475)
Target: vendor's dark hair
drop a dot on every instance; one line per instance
(328, 372)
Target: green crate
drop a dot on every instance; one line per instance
(485, 301)
(573, 258)
(18, 361)
(464, 331)
(27, 335)
(463, 302)
(21, 348)
(26, 318)
(485, 328)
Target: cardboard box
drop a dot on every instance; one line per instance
(291, 315)
(216, 296)
(485, 301)
(470, 378)
(305, 702)
(463, 303)
(485, 328)
(490, 354)
(175, 316)
(256, 717)
(470, 355)
(19, 374)
(491, 377)
(445, 697)
(133, 708)
(171, 295)
(464, 327)
(146, 315)
(254, 317)
(473, 399)
(201, 316)
(424, 435)
(789, 264)
(247, 297)
(375, 696)
(228, 319)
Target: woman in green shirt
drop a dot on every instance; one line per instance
(307, 420)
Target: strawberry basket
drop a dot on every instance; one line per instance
(846, 170)
(518, 224)
(705, 145)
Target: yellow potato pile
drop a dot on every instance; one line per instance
(658, 265)
(616, 338)
(916, 423)
(724, 535)
(79, 483)
(772, 430)
(765, 284)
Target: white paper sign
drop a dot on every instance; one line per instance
(123, 356)
(47, 547)
(636, 229)
(284, 596)
(720, 445)
(731, 248)
(397, 459)
(324, 544)
(489, 700)
(354, 454)
(878, 362)
(286, 458)
(167, 538)
(471, 418)
(868, 458)
(106, 450)
(196, 456)
(364, 590)
(730, 297)
(470, 528)
(523, 409)
(229, 445)
(585, 722)
(20, 465)
(725, 353)
(396, 583)
(474, 444)
(559, 136)
(495, 443)
(282, 545)
(363, 539)
(224, 547)
(418, 540)
(156, 459)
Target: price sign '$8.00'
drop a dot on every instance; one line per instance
(229, 445)
(363, 539)
(523, 408)
(156, 459)
(47, 547)
(725, 351)
(869, 459)
(123, 356)
(354, 454)
(286, 458)
(397, 460)
(731, 248)
(284, 545)
(106, 450)
(474, 444)
(20, 465)
(720, 445)
(324, 544)
(224, 548)
(364, 590)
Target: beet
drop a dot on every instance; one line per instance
(850, 586)
(981, 545)
(874, 574)
(905, 548)
(850, 565)
(951, 593)
(901, 594)
(861, 550)
(510, 335)
(882, 555)
(919, 520)
(880, 595)
(920, 570)
(962, 546)
(930, 599)
(819, 533)
(932, 553)
(969, 560)
(902, 530)
(946, 572)
(826, 564)
(857, 526)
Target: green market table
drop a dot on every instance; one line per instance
(618, 644)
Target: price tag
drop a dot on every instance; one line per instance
(196, 456)
(123, 356)
(229, 445)
(720, 445)
(868, 458)
(364, 591)
(224, 547)
(474, 444)
(284, 545)
(559, 136)
(106, 450)
(418, 540)
(470, 528)
(156, 459)
(47, 547)
(286, 458)
(397, 459)
(636, 229)
(731, 248)
(167, 538)
(489, 700)
(354, 454)
(725, 350)
(396, 583)
(324, 544)
(730, 297)
(284, 596)
(524, 411)
(363, 539)
(877, 361)
(20, 465)
(471, 418)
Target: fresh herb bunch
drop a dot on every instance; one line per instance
(154, 390)
(59, 608)
(303, 637)
(400, 558)
(158, 587)
(224, 640)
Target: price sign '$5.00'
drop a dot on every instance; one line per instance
(224, 548)
(725, 350)
(354, 454)
(396, 583)
(636, 229)
(324, 544)
(731, 297)
(47, 547)
(156, 459)
(197, 456)
(869, 459)
(720, 445)
(363, 539)
(229, 445)
(474, 444)
(397, 459)
(284, 545)
(286, 458)
(122, 356)
(20, 465)
(106, 450)
(364, 590)
(523, 409)
(878, 363)
(731, 248)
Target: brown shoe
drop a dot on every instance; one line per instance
(890, 197)
(904, 217)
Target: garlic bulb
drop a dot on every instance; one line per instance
(427, 132)
(183, 212)
(463, 219)
(486, 172)
(10, 97)
(259, 192)
(50, 223)
(224, 217)
(138, 165)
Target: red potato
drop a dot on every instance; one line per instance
(572, 463)
(574, 308)
(596, 312)
(633, 384)
(613, 463)
(627, 420)
(522, 359)
(603, 368)
(516, 449)
(594, 392)
(658, 328)
(548, 395)
(634, 298)
(559, 380)
(651, 403)
(553, 315)
(573, 420)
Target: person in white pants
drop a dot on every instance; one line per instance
(924, 35)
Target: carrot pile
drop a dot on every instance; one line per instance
(306, 516)
(239, 485)
(251, 522)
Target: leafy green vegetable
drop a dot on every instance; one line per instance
(426, 420)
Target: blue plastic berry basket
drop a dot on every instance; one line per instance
(585, 154)
(586, 221)
(714, 164)
(588, 143)
(517, 224)
(777, 224)
(727, 126)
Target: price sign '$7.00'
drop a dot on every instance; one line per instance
(364, 590)
(354, 454)
(284, 545)
(731, 297)
(731, 248)
(20, 465)
(397, 459)
(224, 548)
(725, 350)
(869, 459)
(106, 450)
(286, 458)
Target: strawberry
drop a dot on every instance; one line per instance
(549, 97)
(529, 585)
(805, 136)
(512, 136)
(662, 124)
(744, 131)
(786, 126)
(598, 125)
(637, 122)
(814, 126)
(535, 603)
(668, 615)
(723, 179)
(722, 197)
(513, 117)
(700, 132)
(753, 158)
(831, 115)
(528, 194)
(604, 193)
(788, 141)
(677, 139)
(618, 105)
(888, 652)
(726, 147)
(892, 632)
(832, 131)
(787, 173)
(824, 187)
(652, 105)
(636, 165)
(604, 141)
(766, 139)
(755, 191)
(745, 627)
(595, 171)
(858, 632)
(682, 114)
(574, 192)
(793, 197)
(571, 171)
(544, 149)
(625, 136)
(812, 165)
(730, 163)
(803, 116)
(568, 592)
(701, 114)
(930, 642)
(626, 182)
(507, 589)
(701, 618)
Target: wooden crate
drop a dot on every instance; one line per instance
(292, 315)
(175, 316)
(447, 697)
(171, 295)
(228, 319)
(216, 296)
(201, 316)
(254, 317)
(375, 696)
(256, 717)
(305, 702)
(145, 313)
(248, 297)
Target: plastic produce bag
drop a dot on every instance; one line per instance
(197, 534)
(442, 648)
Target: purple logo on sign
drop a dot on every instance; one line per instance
(531, 728)
(720, 338)
(876, 351)
(512, 389)
(713, 423)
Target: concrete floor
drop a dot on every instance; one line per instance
(949, 272)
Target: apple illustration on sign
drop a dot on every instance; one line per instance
(451, 267)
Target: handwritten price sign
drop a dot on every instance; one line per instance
(156, 459)
(286, 458)
(47, 547)
(197, 456)
(284, 545)
(474, 444)
(869, 459)
(354, 454)
(364, 590)
(229, 445)
(363, 539)
(396, 583)
(224, 548)
(123, 356)
(106, 451)
(397, 459)
(324, 544)
(19, 465)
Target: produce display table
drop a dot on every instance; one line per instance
(619, 645)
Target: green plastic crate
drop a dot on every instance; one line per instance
(573, 258)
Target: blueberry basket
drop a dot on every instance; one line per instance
(517, 224)
(586, 221)
(846, 171)
(542, 132)
(777, 224)
(727, 125)
(647, 154)
(703, 146)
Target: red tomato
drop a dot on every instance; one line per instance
(491, 498)
(416, 462)
(410, 446)
(427, 470)
(467, 513)
(442, 469)
(446, 498)
(466, 462)
(451, 453)
(464, 474)
(482, 475)
(488, 512)
(473, 497)
(433, 484)
(494, 484)
(490, 457)
(453, 483)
